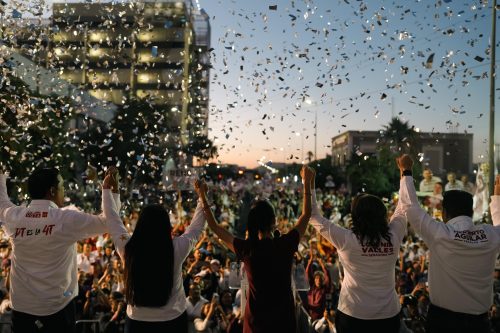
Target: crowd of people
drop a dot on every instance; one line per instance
(212, 276)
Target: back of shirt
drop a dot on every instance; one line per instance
(268, 264)
(462, 256)
(368, 290)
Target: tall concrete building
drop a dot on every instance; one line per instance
(153, 50)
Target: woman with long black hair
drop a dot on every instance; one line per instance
(267, 259)
(153, 265)
(368, 253)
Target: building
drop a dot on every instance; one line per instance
(154, 50)
(441, 152)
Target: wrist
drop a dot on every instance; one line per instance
(406, 172)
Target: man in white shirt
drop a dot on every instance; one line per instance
(462, 257)
(86, 259)
(453, 183)
(427, 184)
(44, 270)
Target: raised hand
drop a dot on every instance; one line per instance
(404, 163)
(307, 174)
(201, 188)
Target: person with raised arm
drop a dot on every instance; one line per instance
(368, 253)
(156, 301)
(43, 275)
(462, 257)
(270, 303)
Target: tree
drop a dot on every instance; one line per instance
(34, 129)
(399, 137)
(310, 156)
(369, 174)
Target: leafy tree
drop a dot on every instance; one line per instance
(34, 129)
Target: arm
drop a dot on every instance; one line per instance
(325, 273)
(222, 233)
(421, 222)
(5, 202)
(115, 225)
(309, 271)
(330, 231)
(495, 202)
(307, 175)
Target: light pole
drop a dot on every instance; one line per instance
(491, 160)
(316, 134)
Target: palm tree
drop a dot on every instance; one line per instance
(399, 137)
(310, 156)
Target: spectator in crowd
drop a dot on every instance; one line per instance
(319, 282)
(462, 261)
(213, 319)
(368, 253)
(195, 303)
(427, 184)
(453, 183)
(153, 283)
(468, 186)
(44, 273)
(266, 256)
(325, 324)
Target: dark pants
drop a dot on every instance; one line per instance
(61, 321)
(177, 325)
(442, 320)
(348, 324)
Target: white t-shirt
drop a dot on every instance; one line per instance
(368, 289)
(462, 255)
(44, 271)
(176, 304)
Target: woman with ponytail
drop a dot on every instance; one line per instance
(268, 261)
(368, 253)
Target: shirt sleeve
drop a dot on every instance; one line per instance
(5, 202)
(187, 241)
(421, 222)
(114, 223)
(331, 231)
(398, 221)
(78, 225)
(495, 209)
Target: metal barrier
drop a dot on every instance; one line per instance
(304, 322)
(5, 327)
(88, 326)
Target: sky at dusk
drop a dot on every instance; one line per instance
(352, 64)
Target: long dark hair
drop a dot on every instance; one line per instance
(369, 219)
(149, 259)
(261, 217)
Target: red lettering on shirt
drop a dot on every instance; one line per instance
(19, 232)
(47, 230)
(37, 215)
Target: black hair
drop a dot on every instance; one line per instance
(369, 219)
(457, 203)
(149, 259)
(40, 182)
(261, 217)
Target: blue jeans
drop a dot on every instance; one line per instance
(178, 325)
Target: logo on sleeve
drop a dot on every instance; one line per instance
(471, 236)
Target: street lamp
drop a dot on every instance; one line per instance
(491, 160)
